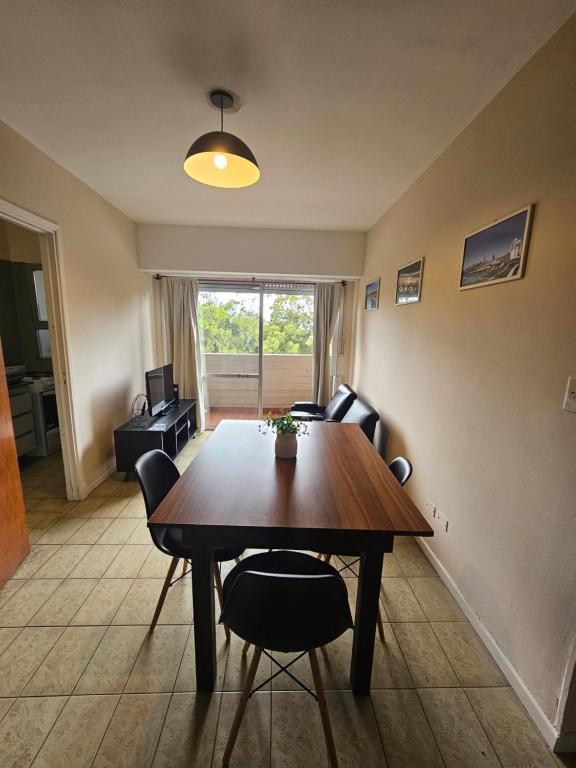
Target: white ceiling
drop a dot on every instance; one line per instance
(345, 102)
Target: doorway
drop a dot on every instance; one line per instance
(35, 355)
(256, 342)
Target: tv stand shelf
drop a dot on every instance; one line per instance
(169, 433)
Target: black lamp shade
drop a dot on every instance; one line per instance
(221, 159)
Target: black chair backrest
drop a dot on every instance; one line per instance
(401, 469)
(340, 403)
(364, 415)
(287, 612)
(156, 473)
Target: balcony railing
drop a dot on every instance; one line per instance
(285, 379)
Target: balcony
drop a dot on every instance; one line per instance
(285, 379)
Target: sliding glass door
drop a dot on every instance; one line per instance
(256, 343)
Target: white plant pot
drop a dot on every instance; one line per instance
(286, 446)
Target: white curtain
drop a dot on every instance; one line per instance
(327, 301)
(181, 339)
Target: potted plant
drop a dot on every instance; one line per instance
(287, 430)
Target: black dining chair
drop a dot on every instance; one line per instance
(342, 399)
(286, 602)
(364, 415)
(401, 468)
(157, 473)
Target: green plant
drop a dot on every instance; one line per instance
(283, 425)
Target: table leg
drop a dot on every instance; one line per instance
(204, 619)
(365, 621)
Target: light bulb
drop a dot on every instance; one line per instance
(220, 162)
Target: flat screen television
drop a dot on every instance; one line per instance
(160, 390)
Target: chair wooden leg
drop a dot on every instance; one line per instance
(380, 626)
(242, 705)
(165, 588)
(319, 556)
(237, 560)
(220, 591)
(318, 684)
(327, 558)
(245, 648)
(184, 566)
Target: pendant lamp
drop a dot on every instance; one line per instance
(221, 159)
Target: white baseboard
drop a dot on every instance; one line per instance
(541, 722)
(86, 489)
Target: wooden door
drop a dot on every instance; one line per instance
(14, 544)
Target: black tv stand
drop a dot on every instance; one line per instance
(169, 432)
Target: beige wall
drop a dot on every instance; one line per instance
(107, 300)
(471, 383)
(253, 252)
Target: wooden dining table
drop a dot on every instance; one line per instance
(338, 495)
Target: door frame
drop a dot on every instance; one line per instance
(51, 252)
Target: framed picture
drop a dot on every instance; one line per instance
(372, 294)
(409, 282)
(497, 253)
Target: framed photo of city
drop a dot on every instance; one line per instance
(372, 294)
(409, 282)
(497, 253)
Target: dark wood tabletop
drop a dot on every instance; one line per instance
(338, 495)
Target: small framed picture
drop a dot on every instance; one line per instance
(497, 253)
(372, 294)
(409, 282)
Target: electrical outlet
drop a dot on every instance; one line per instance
(430, 507)
(570, 396)
(442, 520)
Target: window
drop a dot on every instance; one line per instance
(41, 315)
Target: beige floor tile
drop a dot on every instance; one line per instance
(156, 565)
(110, 666)
(34, 535)
(18, 611)
(39, 520)
(159, 660)
(61, 531)
(118, 532)
(62, 667)
(355, 730)
(140, 534)
(189, 731)
(110, 508)
(86, 508)
(135, 507)
(46, 521)
(103, 602)
(104, 490)
(425, 658)
(96, 561)
(7, 636)
(5, 705)
(62, 605)
(297, 736)
(437, 603)
(408, 740)
(54, 505)
(24, 728)
(391, 568)
(237, 666)
(61, 562)
(399, 601)
(9, 589)
(23, 657)
(469, 658)
(186, 680)
(128, 561)
(460, 736)
(140, 602)
(412, 561)
(389, 670)
(71, 744)
(91, 531)
(38, 556)
(514, 737)
(131, 738)
(252, 748)
(125, 489)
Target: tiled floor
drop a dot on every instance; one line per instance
(216, 414)
(82, 684)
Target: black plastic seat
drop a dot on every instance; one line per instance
(364, 415)
(157, 474)
(285, 602)
(306, 410)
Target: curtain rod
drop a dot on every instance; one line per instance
(253, 281)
